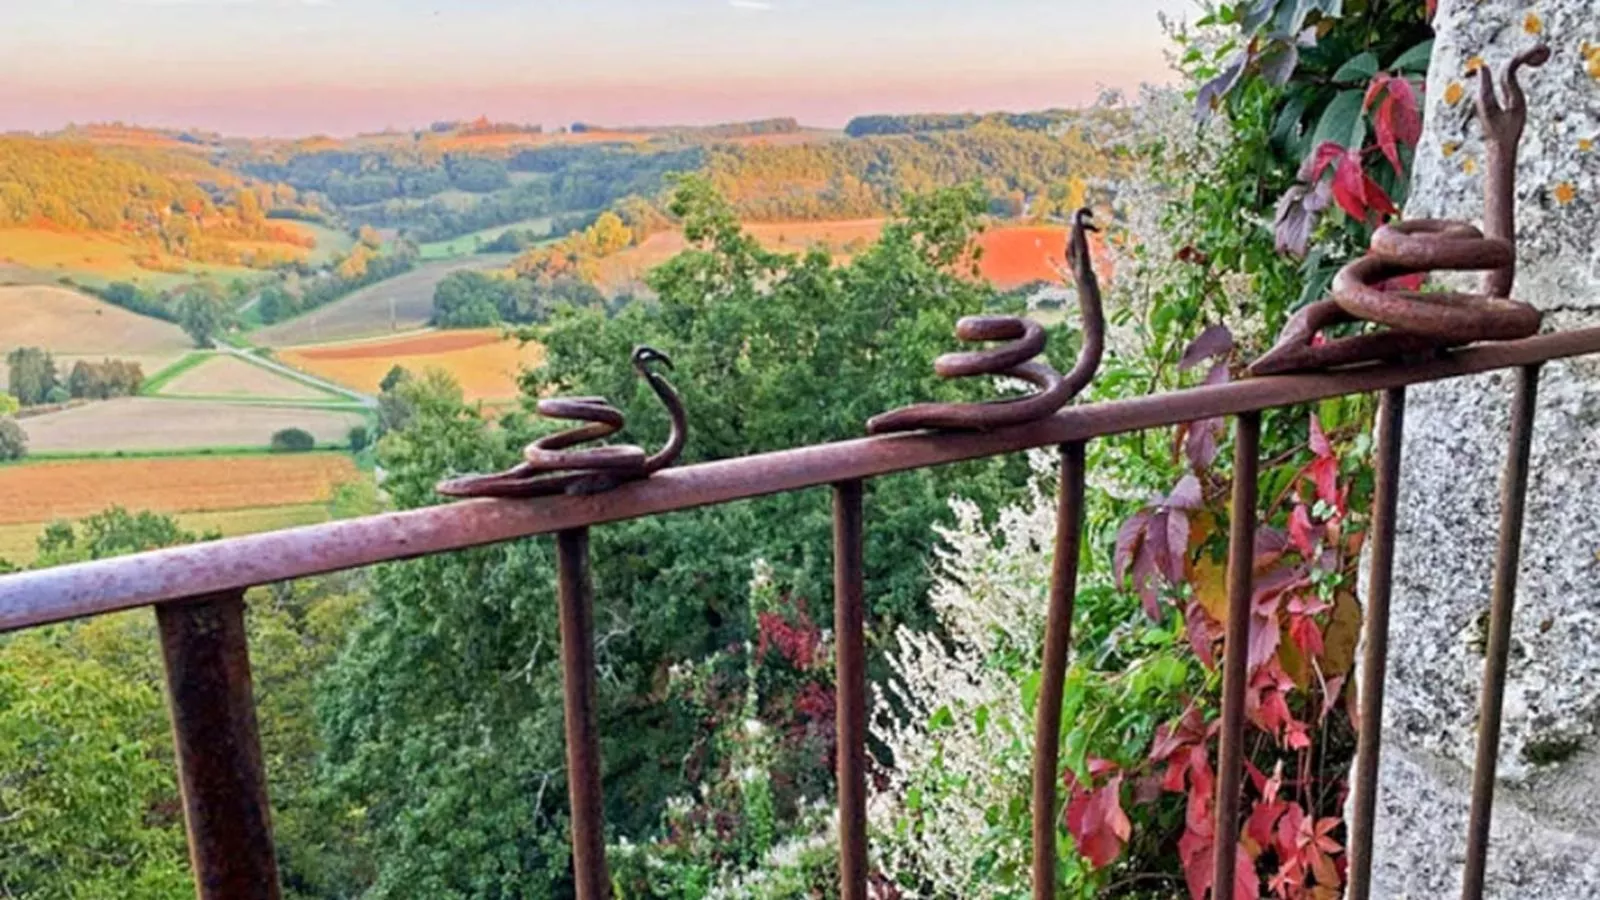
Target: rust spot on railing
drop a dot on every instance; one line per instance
(1014, 359)
(1416, 322)
(549, 467)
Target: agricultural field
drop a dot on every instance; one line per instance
(134, 424)
(63, 252)
(402, 303)
(41, 254)
(75, 326)
(482, 360)
(225, 375)
(210, 493)
(467, 244)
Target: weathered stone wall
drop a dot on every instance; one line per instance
(1547, 810)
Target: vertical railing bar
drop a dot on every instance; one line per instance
(1375, 658)
(849, 625)
(218, 743)
(1241, 561)
(1057, 645)
(576, 597)
(1508, 555)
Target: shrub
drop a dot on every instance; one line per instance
(13, 440)
(359, 438)
(293, 440)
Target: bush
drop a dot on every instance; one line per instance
(293, 440)
(13, 440)
(359, 438)
(58, 394)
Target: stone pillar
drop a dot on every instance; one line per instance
(1546, 835)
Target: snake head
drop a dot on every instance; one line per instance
(1078, 242)
(644, 355)
(1504, 122)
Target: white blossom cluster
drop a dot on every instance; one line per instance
(959, 739)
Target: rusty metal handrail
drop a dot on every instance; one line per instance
(40, 597)
(198, 591)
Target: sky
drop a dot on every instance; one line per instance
(339, 67)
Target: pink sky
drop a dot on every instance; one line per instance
(342, 66)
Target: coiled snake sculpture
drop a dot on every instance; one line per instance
(549, 465)
(1014, 359)
(1416, 322)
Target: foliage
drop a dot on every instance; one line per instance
(470, 299)
(132, 298)
(363, 266)
(868, 176)
(171, 202)
(106, 379)
(9, 405)
(30, 375)
(292, 440)
(755, 824)
(471, 748)
(359, 438)
(89, 804)
(203, 313)
(13, 440)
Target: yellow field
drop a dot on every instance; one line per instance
(97, 254)
(485, 364)
(19, 543)
(70, 489)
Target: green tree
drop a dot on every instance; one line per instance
(9, 405)
(292, 440)
(89, 803)
(203, 313)
(468, 300)
(473, 749)
(31, 375)
(13, 440)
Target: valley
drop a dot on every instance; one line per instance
(182, 298)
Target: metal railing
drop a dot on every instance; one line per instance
(198, 590)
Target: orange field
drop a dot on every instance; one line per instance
(1013, 255)
(45, 491)
(485, 363)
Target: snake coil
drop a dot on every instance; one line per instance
(549, 464)
(1416, 322)
(1014, 359)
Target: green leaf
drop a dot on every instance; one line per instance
(1030, 691)
(1359, 68)
(941, 718)
(1415, 61)
(1075, 750)
(1342, 122)
(981, 719)
(1284, 128)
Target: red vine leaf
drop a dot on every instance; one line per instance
(1397, 120)
(1095, 817)
(1300, 531)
